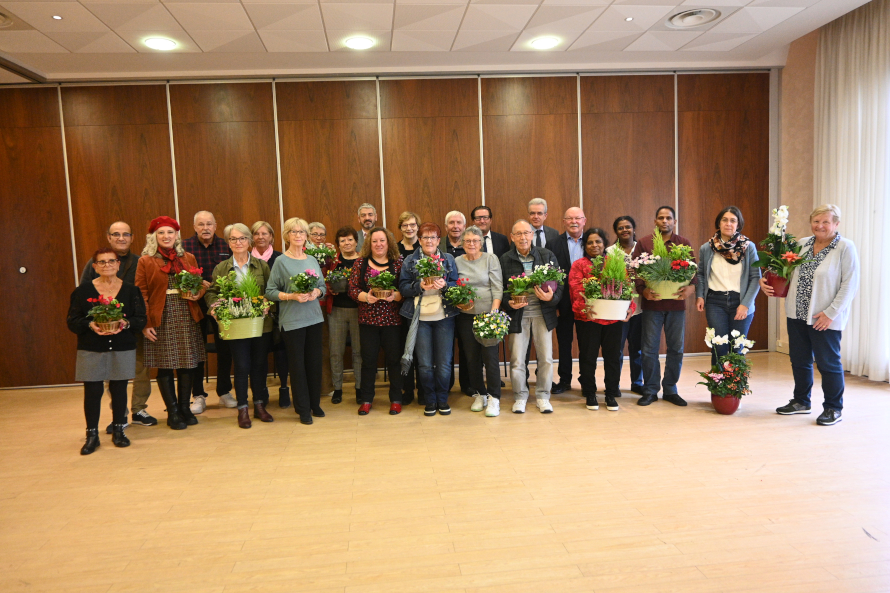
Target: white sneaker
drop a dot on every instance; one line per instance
(493, 408)
(199, 405)
(227, 400)
(519, 406)
(544, 406)
(479, 404)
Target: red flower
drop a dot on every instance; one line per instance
(92, 300)
(790, 257)
(197, 271)
(684, 263)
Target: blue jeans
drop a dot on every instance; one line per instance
(806, 343)
(720, 308)
(674, 324)
(632, 334)
(435, 357)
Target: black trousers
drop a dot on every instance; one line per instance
(92, 401)
(373, 338)
(565, 336)
(251, 358)
(477, 357)
(304, 355)
(593, 337)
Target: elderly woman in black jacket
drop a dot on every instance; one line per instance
(107, 354)
(536, 318)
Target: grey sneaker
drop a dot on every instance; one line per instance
(828, 417)
(793, 407)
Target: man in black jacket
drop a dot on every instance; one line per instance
(532, 320)
(567, 248)
(492, 242)
(544, 236)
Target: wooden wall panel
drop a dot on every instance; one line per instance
(530, 130)
(330, 157)
(224, 138)
(430, 148)
(40, 349)
(119, 161)
(724, 160)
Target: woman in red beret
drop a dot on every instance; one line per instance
(172, 337)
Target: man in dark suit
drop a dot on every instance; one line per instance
(492, 242)
(567, 248)
(537, 214)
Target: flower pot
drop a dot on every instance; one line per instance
(381, 293)
(487, 341)
(466, 307)
(779, 285)
(726, 405)
(427, 283)
(239, 329)
(340, 286)
(519, 299)
(608, 310)
(185, 294)
(550, 285)
(108, 326)
(666, 289)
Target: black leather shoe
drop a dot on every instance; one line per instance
(318, 413)
(638, 389)
(647, 399)
(828, 417)
(306, 420)
(560, 388)
(284, 397)
(675, 399)
(337, 397)
(92, 441)
(118, 437)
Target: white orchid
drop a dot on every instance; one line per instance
(745, 351)
(735, 333)
(709, 336)
(720, 340)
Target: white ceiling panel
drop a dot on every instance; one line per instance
(428, 17)
(249, 2)
(785, 3)
(562, 21)
(134, 16)
(337, 39)
(184, 43)
(355, 17)
(285, 17)
(207, 17)
(648, 2)
(755, 20)
(75, 18)
(28, 42)
(484, 41)
(712, 41)
(294, 41)
(92, 43)
(411, 40)
(534, 2)
(228, 41)
(615, 17)
(605, 40)
(497, 17)
(690, 4)
(662, 40)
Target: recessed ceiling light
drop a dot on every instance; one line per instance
(160, 43)
(545, 42)
(629, 19)
(57, 17)
(693, 18)
(359, 43)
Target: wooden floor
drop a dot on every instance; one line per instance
(644, 499)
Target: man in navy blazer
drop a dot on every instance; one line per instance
(544, 236)
(567, 248)
(492, 242)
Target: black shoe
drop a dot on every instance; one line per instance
(143, 418)
(306, 420)
(337, 397)
(166, 387)
(184, 393)
(793, 407)
(407, 397)
(318, 413)
(675, 399)
(647, 399)
(110, 428)
(560, 387)
(118, 437)
(444, 410)
(284, 397)
(92, 441)
(828, 417)
(592, 404)
(638, 389)
(611, 404)
(429, 409)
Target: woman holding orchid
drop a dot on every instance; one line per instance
(727, 281)
(482, 272)
(817, 307)
(296, 284)
(378, 318)
(343, 317)
(250, 355)
(173, 340)
(426, 275)
(596, 334)
(105, 355)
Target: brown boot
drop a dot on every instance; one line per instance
(260, 413)
(243, 418)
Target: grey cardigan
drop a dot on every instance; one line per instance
(749, 284)
(835, 284)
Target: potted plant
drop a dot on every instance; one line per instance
(491, 327)
(429, 267)
(547, 277)
(779, 254)
(338, 280)
(189, 282)
(304, 282)
(727, 381)
(106, 313)
(609, 290)
(382, 283)
(519, 287)
(240, 307)
(462, 295)
(665, 271)
(322, 254)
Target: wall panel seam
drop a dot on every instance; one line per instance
(580, 160)
(676, 155)
(172, 153)
(68, 187)
(278, 162)
(481, 138)
(380, 151)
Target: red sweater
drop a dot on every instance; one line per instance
(581, 270)
(645, 245)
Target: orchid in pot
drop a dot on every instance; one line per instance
(727, 381)
(779, 254)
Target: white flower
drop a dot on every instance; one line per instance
(749, 343)
(782, 211)
(735, 333)
(709, 336)
(720, 340)
(738, 343)
(745, 351)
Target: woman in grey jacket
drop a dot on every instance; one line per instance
(817, 308)
(727, 284)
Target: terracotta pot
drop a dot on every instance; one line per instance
(779, 285)
(726, 405)
(185, 294)
(381, 293)
(468, 307)
(108, 326)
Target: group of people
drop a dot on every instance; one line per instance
(414, 324)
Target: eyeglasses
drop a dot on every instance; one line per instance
(482, 218)
(107, 262)
(472, 241)
(412, 225)
(318, 235)
(119, 235)
(237, 239)
(429, 238)
(523, 234)
(297, 232)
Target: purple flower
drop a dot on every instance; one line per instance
(372, 272)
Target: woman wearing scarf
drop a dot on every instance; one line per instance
(173, 339)
(727, 284)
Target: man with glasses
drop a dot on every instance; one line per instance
(492, 242)
(209, 250)
(367, 218)
(537, 214)
(567, 248)
(120, 238)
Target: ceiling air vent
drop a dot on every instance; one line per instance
(689, 19)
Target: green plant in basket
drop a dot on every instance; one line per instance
(494, 325)
(462, 294)
(322, 253)
(546, 273)
(105, 310)
(189, 281)
(304, 282)
(238, 299)
(430, 266)
(519, 285)
(384, 280)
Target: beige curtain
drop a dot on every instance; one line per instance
(852, 169)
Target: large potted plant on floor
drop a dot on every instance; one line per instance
(665, 270)
(727, 381)
(779, 254)
(240, 308)
(608, 290)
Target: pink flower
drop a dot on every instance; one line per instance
(236, 300)
(727, 366)
(372, 272)
(312, 273)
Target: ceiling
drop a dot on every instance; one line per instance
(96, 40)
